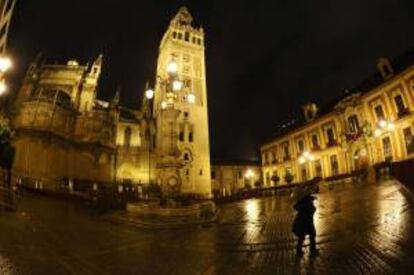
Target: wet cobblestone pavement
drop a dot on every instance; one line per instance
(363, 229)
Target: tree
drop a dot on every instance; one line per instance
(258, 184)
(288, 177)
(275, 179)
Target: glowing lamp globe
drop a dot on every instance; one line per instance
(382, 123)
(5, 64)
(177, 85)
(390, 126)
(191, 98)
(172, 67)
(149, 94)
(249, 174)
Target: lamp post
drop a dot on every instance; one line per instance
(149, 94)
(8, 151)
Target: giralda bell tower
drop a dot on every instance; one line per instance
(181, 69)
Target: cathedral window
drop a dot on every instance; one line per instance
(186, 156)
(190, 137)
(181, 136)
(198, 41)
(180, 36)
(194, 39)
(174, 35)
(187, 36)
(201, 172)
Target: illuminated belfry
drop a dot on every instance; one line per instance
(181, 57)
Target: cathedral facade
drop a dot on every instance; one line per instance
(65, 134)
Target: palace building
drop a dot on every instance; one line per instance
(369, 125)
(65, 134)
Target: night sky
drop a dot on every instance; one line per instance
(264, 58)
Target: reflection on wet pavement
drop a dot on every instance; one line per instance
(361, 229)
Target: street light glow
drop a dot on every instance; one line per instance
(149, 93)
(177, 85)
(249, 174)
(172, 67)
(163, 105)
(5, 64)
(384, 126)
(191, 98)
(3, 87)
(306, 156)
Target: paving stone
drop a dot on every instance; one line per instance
(361, 229)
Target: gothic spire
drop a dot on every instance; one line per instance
(183, 17)
(115, 99)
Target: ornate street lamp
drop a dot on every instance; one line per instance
(149, 93)
(384, 126)
(5, 65)
(305, 157)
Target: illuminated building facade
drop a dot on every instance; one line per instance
(369, 125)
(63, 132)
(229, 178)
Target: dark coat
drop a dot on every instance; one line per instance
(303, 223)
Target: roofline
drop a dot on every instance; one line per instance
(366, 94)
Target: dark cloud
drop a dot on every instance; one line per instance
(264, 58)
